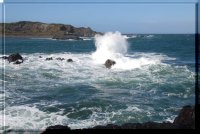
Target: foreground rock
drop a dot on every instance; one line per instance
(48, 130)
(109, 63)
(186, 117)
(185, 120)
(147, 125)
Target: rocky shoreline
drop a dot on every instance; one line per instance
(39, 29)
(185, 120)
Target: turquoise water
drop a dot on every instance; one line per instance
(83, 94)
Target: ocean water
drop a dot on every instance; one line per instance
(151, 81)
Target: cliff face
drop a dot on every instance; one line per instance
(27, 28)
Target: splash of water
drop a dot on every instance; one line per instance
(115, 46)
(109, 46)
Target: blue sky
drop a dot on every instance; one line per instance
(104, 17)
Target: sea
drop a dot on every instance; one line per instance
(153, 78)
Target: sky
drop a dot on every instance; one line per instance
(145, 17)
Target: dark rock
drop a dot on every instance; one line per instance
(49, 58)
(40, 56)
(147, 125)
(109, 126)
(69, 60)
(155, 125)
(130, 125)
(14, 57)
(61, 59)
(186, 117)
(59, 127)
(109, 63)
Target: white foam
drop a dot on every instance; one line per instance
(87, 38)
(109, 46)
(114, 46)
(150, 36)
(84, 69)
(146, 68)
(171, 119)
(25, 117)
(133, 109)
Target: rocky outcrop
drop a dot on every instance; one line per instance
(15, 58)
(185, 120)
(69, 60)
(109, 63)
(56, 31)
(186, 117)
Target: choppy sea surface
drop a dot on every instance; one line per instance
(151, 81)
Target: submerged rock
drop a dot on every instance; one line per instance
(61, 59)
(14, 57)
(109, 63)
(49, 58)
(69, 60)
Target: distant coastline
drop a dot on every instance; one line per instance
(39, 29)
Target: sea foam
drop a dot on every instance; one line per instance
(115, 46)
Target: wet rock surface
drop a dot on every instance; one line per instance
(50, 58)
(186, 117)
(69, 60)
(14, 57)
(109, 63)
